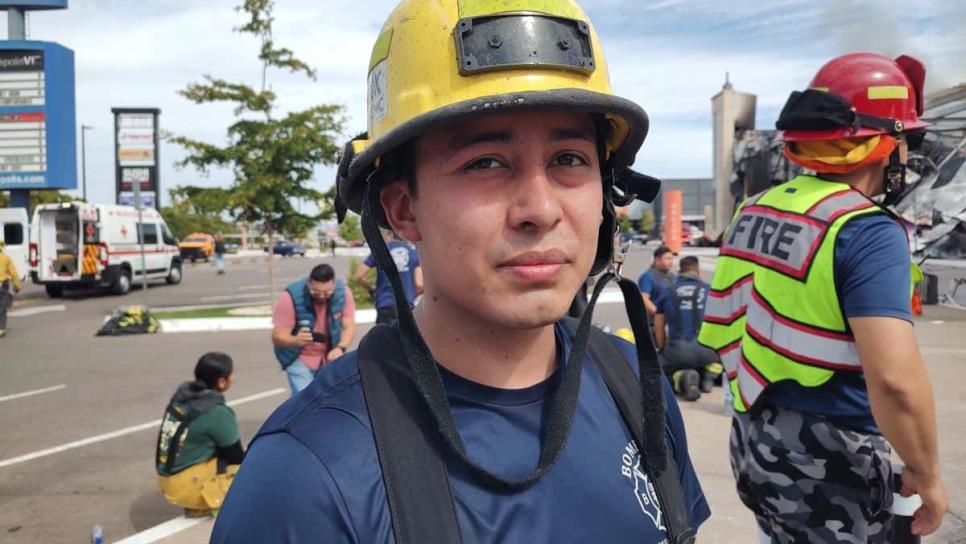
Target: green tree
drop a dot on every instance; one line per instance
(624, 223)
(350, 228)
(39, 197)
(273, 158)
(361, 295)
(186, 215)
(647, 221)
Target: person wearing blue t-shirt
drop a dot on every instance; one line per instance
(482, 414)
(692, 367)
(657, 280)
(406, 259)
(810, 314)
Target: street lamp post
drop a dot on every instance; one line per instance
(84, 129)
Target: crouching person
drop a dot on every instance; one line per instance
(199, 446)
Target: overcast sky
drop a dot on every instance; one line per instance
(668, 55)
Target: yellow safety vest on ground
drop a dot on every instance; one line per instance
(773, 313)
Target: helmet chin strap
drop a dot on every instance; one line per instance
(894, 179)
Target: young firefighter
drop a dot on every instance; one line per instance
(9, 286)
(479, 417)
(810, 313)
(693, 368)
(199, 447)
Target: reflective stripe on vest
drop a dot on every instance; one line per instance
(726, 306)
(773, 311)
(798, 341)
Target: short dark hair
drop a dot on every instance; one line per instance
(211, 367)
(322, 273)
(689, 263)
(661, 251)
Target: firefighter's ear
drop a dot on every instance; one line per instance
(397, 205)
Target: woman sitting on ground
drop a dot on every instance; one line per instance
(199, 446)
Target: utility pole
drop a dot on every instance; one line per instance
(84, 129)
(144, 265)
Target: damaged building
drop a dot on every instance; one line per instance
(934, 207)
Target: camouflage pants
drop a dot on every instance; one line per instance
(808, 481)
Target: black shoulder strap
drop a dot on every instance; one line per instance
(174, 445)
(626, 390)
(409, 446)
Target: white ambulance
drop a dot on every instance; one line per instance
(14, 232)
(77, 244)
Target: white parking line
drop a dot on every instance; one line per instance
(32, 393)
(253, 287)
(120, 432)
(281, 282)
(37, 310)
(162, 530)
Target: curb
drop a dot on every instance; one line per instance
(222, 324)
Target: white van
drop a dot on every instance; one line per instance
(14, 230)
(77, 244)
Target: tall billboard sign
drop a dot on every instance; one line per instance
(136, 156)
(38, 146)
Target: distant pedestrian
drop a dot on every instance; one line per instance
(657, 280)
(332, 246)
(220, 254)
(406, 259)
(9, 277)
(315, 322)
(199, 447)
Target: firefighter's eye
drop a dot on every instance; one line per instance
(484, 163)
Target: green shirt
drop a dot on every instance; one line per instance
(214, 427)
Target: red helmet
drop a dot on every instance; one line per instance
(875, 87)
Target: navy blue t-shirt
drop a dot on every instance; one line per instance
(677, 306)
(407, 261)
(651, 283)
(872, 274)
(313, 475)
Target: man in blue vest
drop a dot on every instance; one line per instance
(693, 368)
(314, 323)
(406, 259)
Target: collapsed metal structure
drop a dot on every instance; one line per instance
(935, 206)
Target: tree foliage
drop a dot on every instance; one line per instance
(273, 159)
(186, 215)
(38, 197)
(361, 295)
(350, 229)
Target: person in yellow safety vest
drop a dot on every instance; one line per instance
(9, 277)
(810, 313)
